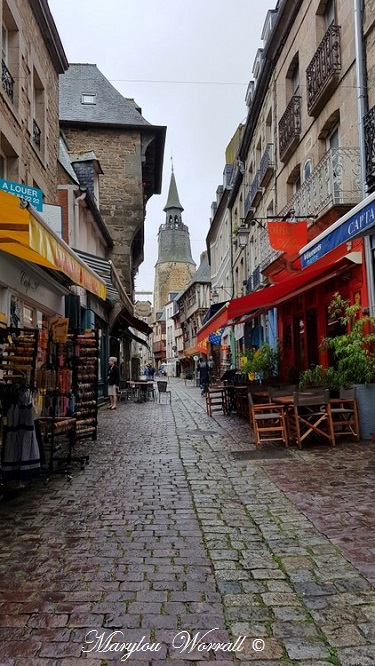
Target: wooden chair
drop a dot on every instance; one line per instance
(268, 422)
(216, 400)
(163, 390)
(345, 414)
(276, 392)
(311, 416)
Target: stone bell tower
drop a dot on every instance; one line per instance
(175, 265)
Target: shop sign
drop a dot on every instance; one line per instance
(31, 194)
(355, 226)
(59, 329)
(143, 308)
(28, 284)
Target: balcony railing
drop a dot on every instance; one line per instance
(266, 165)
(37, 134)
(290, 128)
(7, 80)
(261, 178)
(322, 70)
(369, 130)
(334, 181)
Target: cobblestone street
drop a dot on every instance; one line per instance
(178, 525)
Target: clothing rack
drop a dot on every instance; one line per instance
(21, 449)
(58, 406)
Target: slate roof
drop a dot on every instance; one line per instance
(111, 108)
(173, 200)
(203, 272)
(64, 160)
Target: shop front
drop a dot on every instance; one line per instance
(302, 307)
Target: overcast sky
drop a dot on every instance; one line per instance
(187, 64)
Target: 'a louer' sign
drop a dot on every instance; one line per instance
(31, 194)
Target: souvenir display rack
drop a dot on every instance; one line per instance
(18, 354)
(63, 379)
(85, 383)
(54, 381)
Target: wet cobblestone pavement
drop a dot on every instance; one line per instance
(170, 529)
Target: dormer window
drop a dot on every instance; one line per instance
(88, 99)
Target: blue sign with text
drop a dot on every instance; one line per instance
(355, 226)
(31, 194)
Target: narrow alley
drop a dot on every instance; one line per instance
(179, 526)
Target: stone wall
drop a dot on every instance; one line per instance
(172, 276)
(35, 96)
(120, 186)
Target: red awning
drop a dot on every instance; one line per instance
(266, 298)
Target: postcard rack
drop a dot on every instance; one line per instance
(85, 384)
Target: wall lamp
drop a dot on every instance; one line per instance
(290, 217)
(215, 294)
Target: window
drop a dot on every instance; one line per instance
(38, 111)
(8, 160)
(10, 55)
(3, 167)
(4, 44)
(88, 98)
(292, 78)
(329, 13)
(307, 170)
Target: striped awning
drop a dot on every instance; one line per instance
(103, 268)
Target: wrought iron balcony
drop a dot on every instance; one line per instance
(290, 128)
(266, 165)
(7, 80)
(335, 181)
(37, 134)
(369, 130)
(322, 71)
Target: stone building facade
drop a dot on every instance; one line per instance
(94, 116)
(175, 265)
(32, 59)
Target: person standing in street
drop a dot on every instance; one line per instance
(113, 379)
(204, 377)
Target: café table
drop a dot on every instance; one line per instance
(141, 389)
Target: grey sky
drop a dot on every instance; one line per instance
(187, 64)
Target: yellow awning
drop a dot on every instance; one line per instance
(28, 237)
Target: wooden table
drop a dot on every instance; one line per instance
(140, 389)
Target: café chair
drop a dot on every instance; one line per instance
(268, 422)
(345, 414)
(216, 400)
(311, 416)
(163, 390)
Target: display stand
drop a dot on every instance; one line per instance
(58, 406)
(20, 450)
(85, 384)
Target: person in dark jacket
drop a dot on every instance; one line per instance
(204, 375)
(113, 379)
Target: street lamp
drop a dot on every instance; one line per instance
(243, 236)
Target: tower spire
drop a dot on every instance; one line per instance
(173, 200)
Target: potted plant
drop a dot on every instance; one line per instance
(319, 376)
(354, 358)
(260, 364)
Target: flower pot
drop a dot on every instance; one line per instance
(365, 396)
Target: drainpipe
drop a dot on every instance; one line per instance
(362, 109)
(232, 338)
(81, 197)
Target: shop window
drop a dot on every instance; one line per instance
(312, 337)
(28, 317)
(299, 342)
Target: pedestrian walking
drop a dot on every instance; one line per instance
(211, 370)
(204, 377)
(113, 379)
